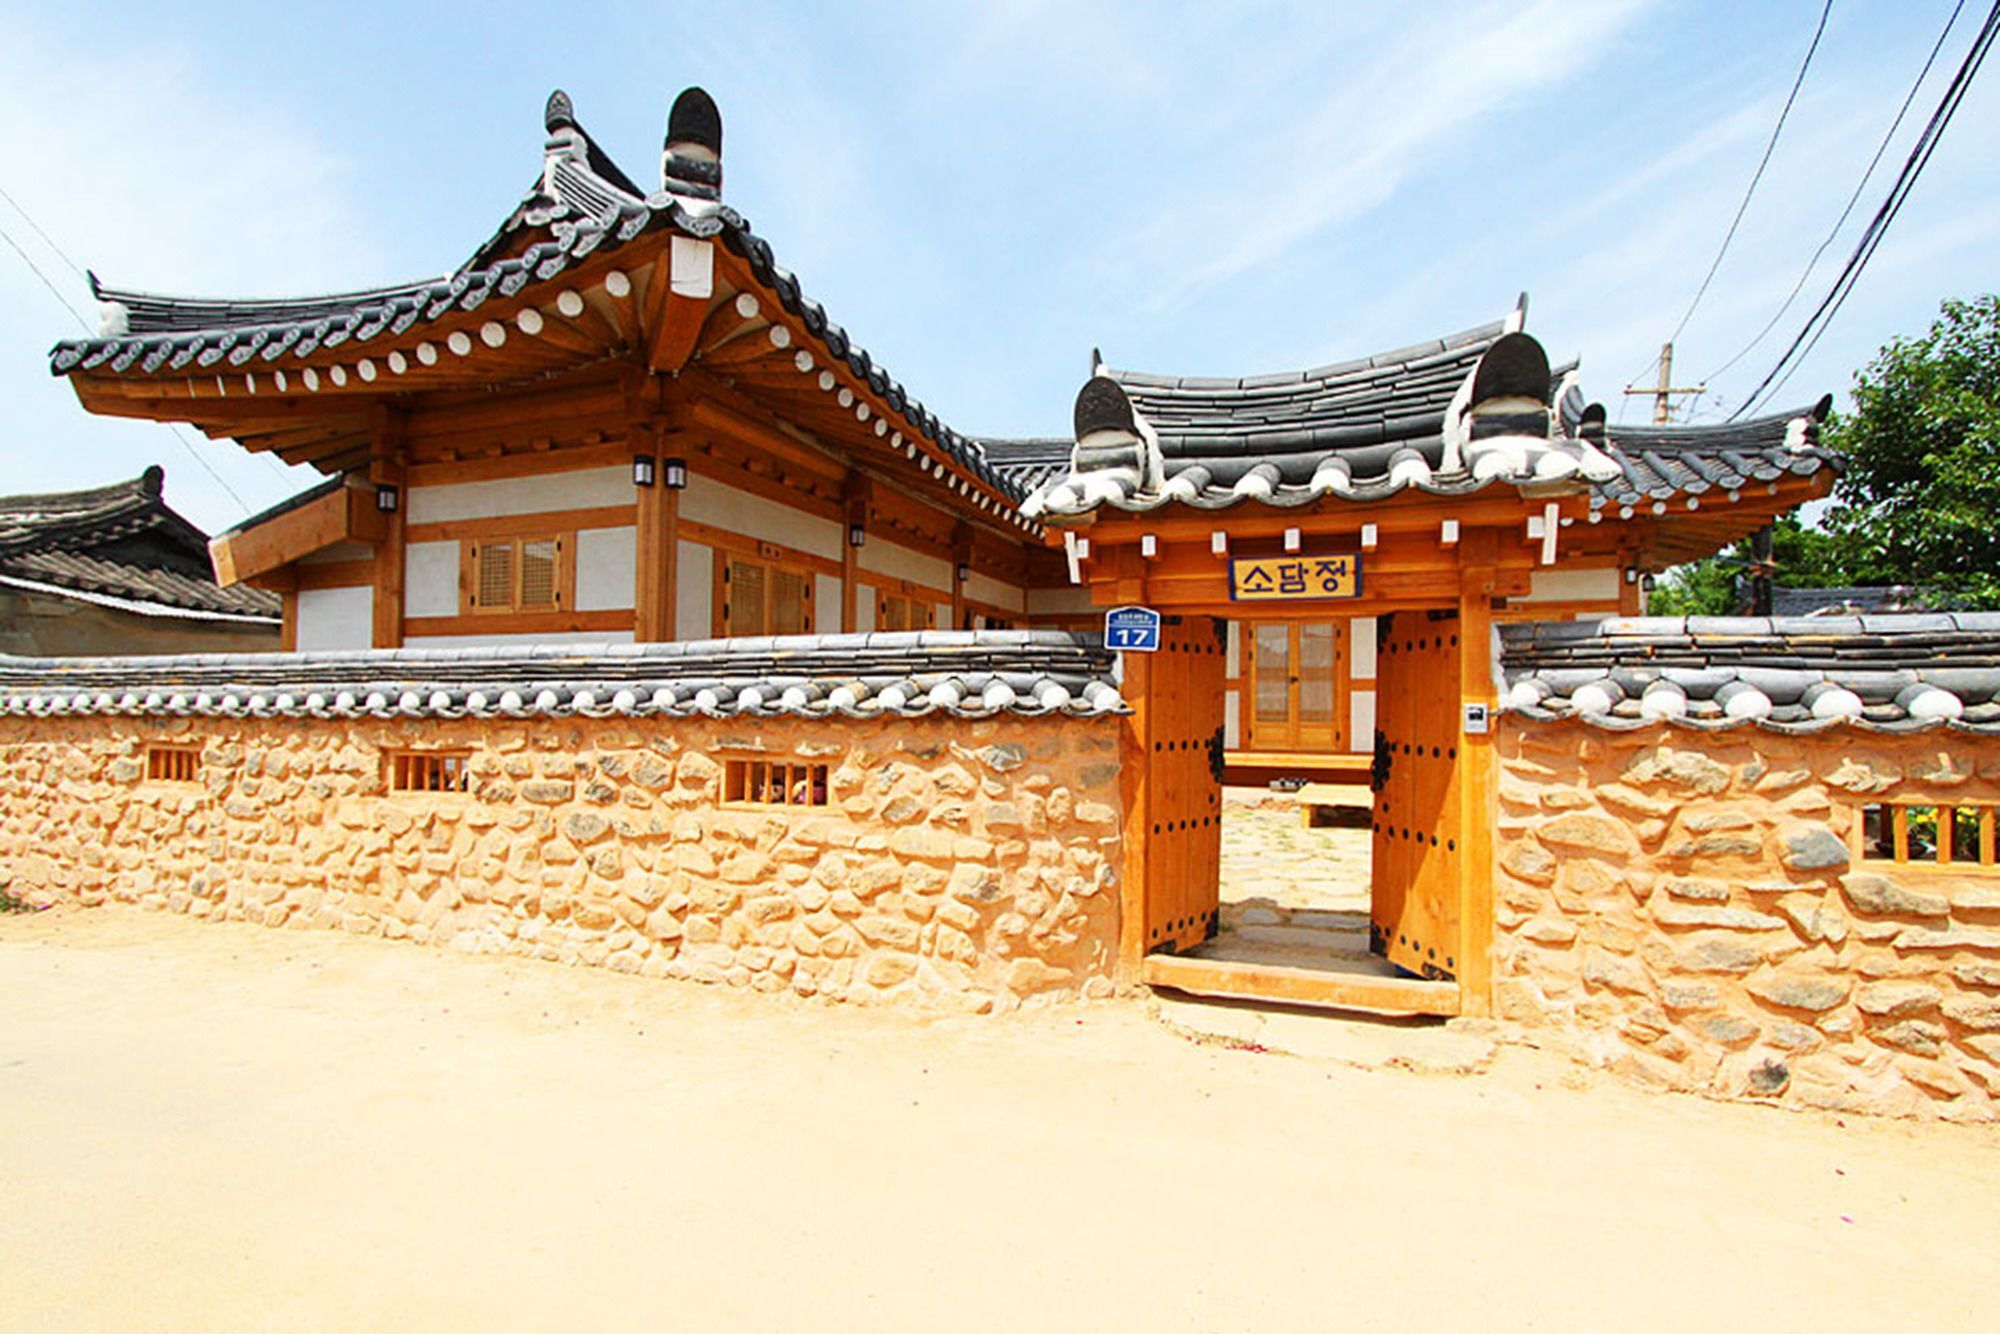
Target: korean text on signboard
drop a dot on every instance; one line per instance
(1272, 577)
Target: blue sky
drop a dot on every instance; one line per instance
(983, 194)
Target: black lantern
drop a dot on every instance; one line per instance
(387, 498)
(643, 468)
(675, 473)
(856, 535)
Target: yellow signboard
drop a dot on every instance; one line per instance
(1269, 578)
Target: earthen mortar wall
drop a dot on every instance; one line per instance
(1691, 910)
(958, 863)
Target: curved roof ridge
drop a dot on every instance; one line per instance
(1446, 343)
(69, 505)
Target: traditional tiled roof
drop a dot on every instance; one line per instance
(1891, 673)
(580, 206)
(971, 674)
(1028, 463)
(1851, 601)
(1448, 417)
(119, 546)
(1665, 465)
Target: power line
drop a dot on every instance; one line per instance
(1852, 199)
(56, 292)
(50, 241)
(1755, 176)
(1843, 284)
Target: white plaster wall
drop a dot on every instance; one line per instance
(941, 617)
(336, 618)
(711, 502)
(607, 561)
(1361, 721)
(826, 604)
(694, 591)
(430, 579)
(900, 562)
(1232, 723)
(1361, 658)
(1572, 585)
(587, 488)
(985, 588)
(1058, 601)
(484, 641)
(864, 607)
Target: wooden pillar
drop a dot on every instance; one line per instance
(288, 635)
(1477, 767)
(961, 558)
(856, 491)
(1135, 754)
(387, 457)
(658, 519)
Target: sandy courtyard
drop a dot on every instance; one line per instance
(221, 1127)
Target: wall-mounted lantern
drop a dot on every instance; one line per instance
(643, 468)
(675, 473)
(964, 572)
(387, 498)
(856, 535)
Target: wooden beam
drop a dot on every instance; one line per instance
(346, 514)
(679, 292)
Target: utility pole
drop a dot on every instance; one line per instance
(1662, 395)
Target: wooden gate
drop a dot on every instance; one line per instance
(1177, 697)
(1414, 922)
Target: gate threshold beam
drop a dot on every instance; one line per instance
(1299, 986)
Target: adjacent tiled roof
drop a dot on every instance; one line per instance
(582, 203)
(119, 546)
(1028, 463)
(971, 674)
(1665, 464)
(1890, 673)
(1847, 601)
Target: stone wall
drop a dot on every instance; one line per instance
(1689, 909)
(958, 863)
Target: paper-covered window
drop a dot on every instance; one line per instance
(516, 574)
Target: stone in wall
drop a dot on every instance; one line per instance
(960, 864)
(1693, 910)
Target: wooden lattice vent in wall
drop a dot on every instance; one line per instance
(773, 783)
(173, 764)
(1913, 834)
(429, 771)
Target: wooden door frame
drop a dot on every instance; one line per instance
(1479, 576)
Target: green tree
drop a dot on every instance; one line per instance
(1920, 500)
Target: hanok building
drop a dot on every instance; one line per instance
(115, 570)
(688, 641)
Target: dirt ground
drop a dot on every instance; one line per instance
(223, 1127)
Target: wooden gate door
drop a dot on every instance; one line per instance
(1414, 918)
(1180, 715)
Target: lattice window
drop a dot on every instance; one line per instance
(173, 764)
(773, 783)
(765, 598)
(1920, 834)
(429, 771)
(516, 574)
(897, 612)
